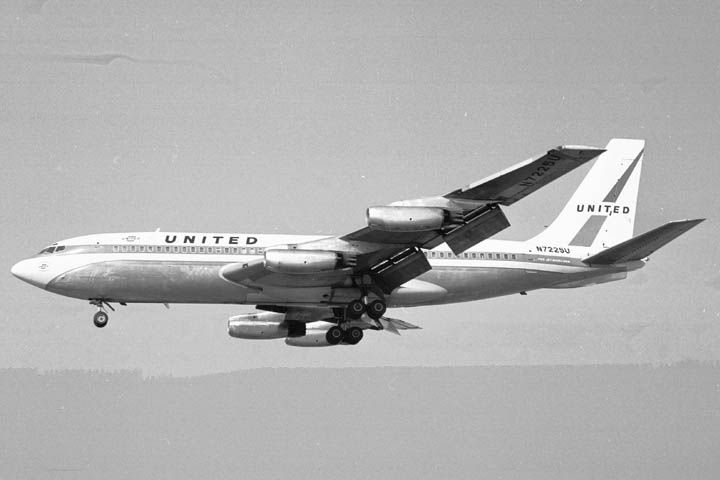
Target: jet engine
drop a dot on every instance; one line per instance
(409, 219)
(313, 338)
(302, 261)
(258, 325)
(268, 325)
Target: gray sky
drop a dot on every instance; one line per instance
(293, 118)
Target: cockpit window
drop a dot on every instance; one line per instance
(53, 249)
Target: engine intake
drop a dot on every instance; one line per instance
(408, 219)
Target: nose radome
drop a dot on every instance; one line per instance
(17, 270)
(28, 271)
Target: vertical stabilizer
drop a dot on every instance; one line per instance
(601, 212)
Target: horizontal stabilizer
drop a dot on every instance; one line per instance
(643, 245)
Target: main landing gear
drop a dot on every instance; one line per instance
(100, 319)
(374, 309)
(344, 331)
(351, 336)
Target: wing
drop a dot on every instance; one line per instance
(389, 251)
(477, 204)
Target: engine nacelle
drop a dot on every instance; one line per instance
(311, 339)
(407, 219)
(302, 261)
(314, 337)
(258, 325)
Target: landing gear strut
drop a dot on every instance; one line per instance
(100, 319)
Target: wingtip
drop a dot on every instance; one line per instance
(580, 152)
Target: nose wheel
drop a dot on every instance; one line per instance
(100, 319)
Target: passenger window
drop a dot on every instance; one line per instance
(192, 249)
(234, 250)
(132, 248)
(115, 248)
(201, 249)
(184, 249)
(123, 248)
(513, 256)
(506, 256)
(176, 249)
(474, 255)
(141, 248)
(243, 251)
(226, 250)
(150, 248)
(60, 248)
(251, 251)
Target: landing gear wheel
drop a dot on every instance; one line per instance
(376, 309)
(353, 335)
(334, 335)
(355, 309)
(100, 319)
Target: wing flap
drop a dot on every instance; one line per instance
(643, 245)
(512, 184)
(392, 325)
(482, 226)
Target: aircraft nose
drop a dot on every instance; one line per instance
(28, 271)
(18, 269)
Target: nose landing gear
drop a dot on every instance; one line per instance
(100, 319)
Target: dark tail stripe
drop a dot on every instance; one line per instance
(587, 233)
(614, 192)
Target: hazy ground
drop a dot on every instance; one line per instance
(486, 422)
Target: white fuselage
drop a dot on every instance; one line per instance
(160, 267)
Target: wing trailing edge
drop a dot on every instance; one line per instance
(643, 245)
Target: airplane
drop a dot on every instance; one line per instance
(328, 290)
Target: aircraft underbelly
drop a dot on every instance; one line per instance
(143, 281)
(136, 281)
(476, 283)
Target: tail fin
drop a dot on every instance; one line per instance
(601, 212)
